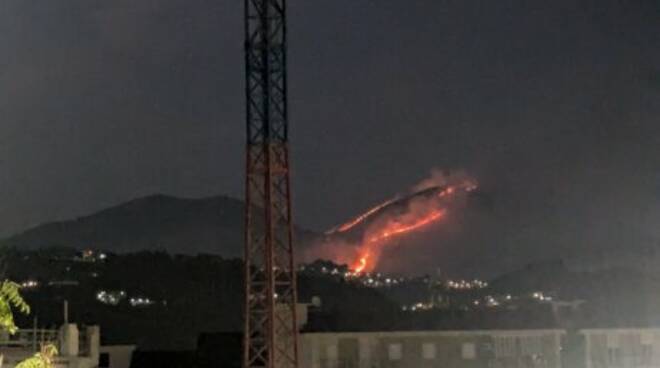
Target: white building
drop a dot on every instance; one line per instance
(622, 348)
(419, 349)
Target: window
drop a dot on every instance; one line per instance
(612, 340)
(613, 351)
(104, 360)
(613, 356)
(469, 351)
(647, 338)
(331, 352)
(531, 345)
(647, 355)
(505, 347)
(395, 351)
(428, 351)
(365, 349)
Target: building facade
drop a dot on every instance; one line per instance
(456, 349)
(621, 348)
(552, 348)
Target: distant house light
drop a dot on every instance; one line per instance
(110, 297)
(140, 301)
(29, 284)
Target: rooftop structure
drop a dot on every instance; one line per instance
(78, 347)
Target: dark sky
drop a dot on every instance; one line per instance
(552, 105)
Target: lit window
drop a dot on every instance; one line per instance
(469, 351)
(428, 351)
(395, 351)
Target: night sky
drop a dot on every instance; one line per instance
(554, 106)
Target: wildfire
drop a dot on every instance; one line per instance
(427, 203)
(397, 228)
(356, 221)
(392, 229)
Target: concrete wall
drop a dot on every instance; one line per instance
(456, 349)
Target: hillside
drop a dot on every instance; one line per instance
(188, 295)
(176, 225)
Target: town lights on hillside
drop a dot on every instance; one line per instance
(541, 297)
(466, 285)
(110, 297)
(140, 302)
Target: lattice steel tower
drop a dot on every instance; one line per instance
(270, 337)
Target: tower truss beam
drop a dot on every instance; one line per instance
(270, 335)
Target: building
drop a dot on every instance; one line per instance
(496, 348)
(456, 349)
(78, 347)
(621, 348)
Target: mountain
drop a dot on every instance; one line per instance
(158, 222)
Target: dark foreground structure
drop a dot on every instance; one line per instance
(270, 279)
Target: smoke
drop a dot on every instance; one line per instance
(439, 178)
(360, 242)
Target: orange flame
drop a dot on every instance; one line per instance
(398, 228)
(351, 224)
(391, 230)
(362, 264)
(369, 252)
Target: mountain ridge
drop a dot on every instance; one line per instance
(155, 222)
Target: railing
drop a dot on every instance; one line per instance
(29, 339)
